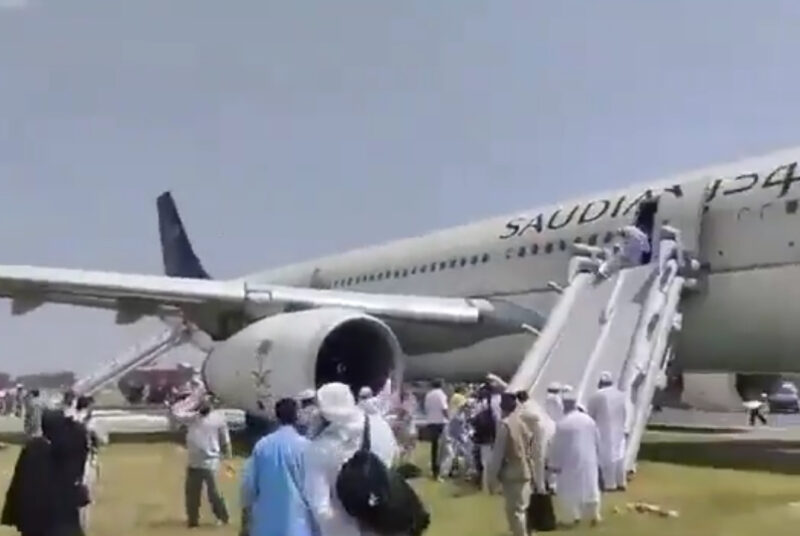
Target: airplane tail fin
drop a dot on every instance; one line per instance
(176, 249)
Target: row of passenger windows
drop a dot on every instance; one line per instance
(535, 249)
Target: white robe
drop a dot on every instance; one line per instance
(325, 456)
(573, 453)
(608, 409)
(554, 406)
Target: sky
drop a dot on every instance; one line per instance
(289, 130)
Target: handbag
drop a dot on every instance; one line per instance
(540, 514)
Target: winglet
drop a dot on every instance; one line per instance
(176, 249)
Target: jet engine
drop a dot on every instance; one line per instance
(282, 355)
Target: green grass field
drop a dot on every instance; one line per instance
(141, 494)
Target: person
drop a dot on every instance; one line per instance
(484, 433)
(30, 504)
(308, 419)
(19, 400)
(436, 413)
(634, 246)
(335, 444)
(542, 429)
(609, 410)
(455, 444)
(367, 401)
(755, 409)
(552, 402)
(511, 464)
(573, 457)
(68, 400)
(207, 439)
(383, 399)
(457, 399)
(32, 416)
(83, 414)
(404, 424)
(272, 484)
(70, 448)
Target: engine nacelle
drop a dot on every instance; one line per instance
(282, 355)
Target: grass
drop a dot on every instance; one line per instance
(141, 494)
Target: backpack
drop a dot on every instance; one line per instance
(484, 426)
(378, 497)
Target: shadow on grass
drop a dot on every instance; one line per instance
(768, 455)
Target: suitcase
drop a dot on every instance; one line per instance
(540, 515)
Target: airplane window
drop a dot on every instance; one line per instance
(405, 272)
(442, 265)
(423, 268)
(388, 274)
(349, 281)
(562, 245)
(578, 240)
(396, 274)
(791, 206)
(548, 248)
(534, 249)
(453, 263)
(592, 240)
(463, 261)
(474, 259)
(608, 238)
(371, 277)
(380, 276)
(522, 251)
(485, 257)
(433, 267)
(413, 270)
(335, 284)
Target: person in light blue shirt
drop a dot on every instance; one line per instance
(273, 480)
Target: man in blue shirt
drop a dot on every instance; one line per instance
(272, 484)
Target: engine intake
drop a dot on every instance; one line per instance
(282, 355)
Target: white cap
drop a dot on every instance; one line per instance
(606, 377)
(306, 394)
(566, 388)
(365, 392)
(569, 396)
(336, 403)
(554, 387)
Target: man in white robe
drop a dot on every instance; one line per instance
(633, 244)
(334, 445)
(573, 457)
(608, 408)
(552, 402)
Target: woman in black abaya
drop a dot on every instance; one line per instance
(31, 497)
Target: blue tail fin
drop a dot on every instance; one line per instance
(176, 249)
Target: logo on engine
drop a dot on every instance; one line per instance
(262, 372)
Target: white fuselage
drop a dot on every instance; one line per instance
(742, 319)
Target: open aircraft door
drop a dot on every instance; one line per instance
(681, 206)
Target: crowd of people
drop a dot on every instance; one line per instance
(291, 484)
(507, 442)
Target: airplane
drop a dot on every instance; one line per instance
(464, 301)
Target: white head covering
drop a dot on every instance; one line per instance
(365, 392)
(606, 378)
(554, 387)
(336, 403)
(566, 388)
(306, 394)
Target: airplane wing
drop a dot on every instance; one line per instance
(133, 296)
